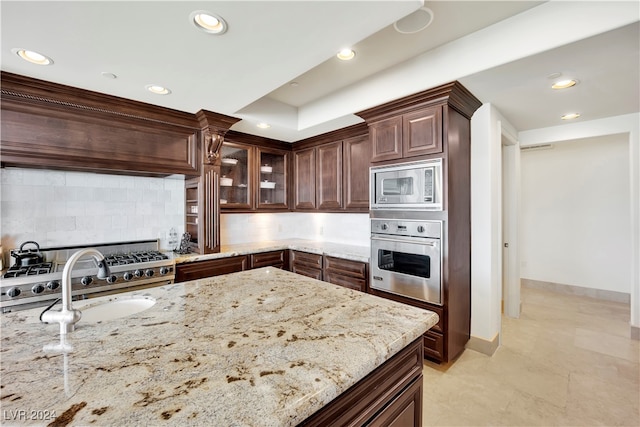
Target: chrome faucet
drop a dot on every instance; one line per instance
(67, 316)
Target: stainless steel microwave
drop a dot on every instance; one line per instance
(416, 185)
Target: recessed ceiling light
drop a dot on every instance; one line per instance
(208, 22)
(570, 116)
(108, 75)
(32, 56)
(263, 125)
(346, 54)
(563, 84)
(158, 90)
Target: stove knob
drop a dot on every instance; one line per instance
(13, 292)
(164, 270)
(127, 276)
(86, 280)
(384, 226)
(148, 272)
(37, 289)
(112, 279)
(138, 273)
(53, 285)
(421, 229)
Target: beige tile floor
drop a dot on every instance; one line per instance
(567, 361)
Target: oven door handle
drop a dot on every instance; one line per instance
(417, 240)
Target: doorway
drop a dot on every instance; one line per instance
(510, 214)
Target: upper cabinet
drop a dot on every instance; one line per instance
(60, 127)
(254, 174)
(331, 171)
(417, 133)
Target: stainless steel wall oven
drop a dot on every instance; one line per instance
(406, 258)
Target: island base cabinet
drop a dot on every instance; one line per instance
(389, 396)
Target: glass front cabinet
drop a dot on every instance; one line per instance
(253, 178)
(272, 185)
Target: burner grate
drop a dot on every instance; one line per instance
(29, 270)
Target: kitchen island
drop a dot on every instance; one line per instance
(263, 347)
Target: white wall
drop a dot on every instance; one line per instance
(352, 229)
(486, 222)
(57, 208)
(629, 125)
(576, 227)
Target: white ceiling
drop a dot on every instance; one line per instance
(502, 51)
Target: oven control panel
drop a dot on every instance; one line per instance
(407, 227)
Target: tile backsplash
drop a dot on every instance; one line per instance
(57, 208)
(351, 228)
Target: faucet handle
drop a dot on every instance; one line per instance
(103, 269)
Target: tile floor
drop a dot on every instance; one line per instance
(567, 361)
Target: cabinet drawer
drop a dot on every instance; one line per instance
(215, 267)
(345, 267)
(305, 270)
(433, 345)
(313, 260)
(267, 259)
(346, 281)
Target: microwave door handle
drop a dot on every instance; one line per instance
(405, 240)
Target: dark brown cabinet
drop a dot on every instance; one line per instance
(331, 171)
(347, 273)
(253, 178)
(356, 154)
(278, 259)
(329, 181)
(436, 124)
(307, 264)
(417, 133)
(208, 268)
(304, 178)
(47, 125)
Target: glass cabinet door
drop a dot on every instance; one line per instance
(235, 176)
(272, 186)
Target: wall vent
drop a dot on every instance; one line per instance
(537, 147)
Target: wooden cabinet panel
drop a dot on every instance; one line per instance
(357, 159)
(404, 411)
(434, 345)
(345, 281)
(304, 178)
(307, 264)
(215, 267)
(329, 181)
(269, 259)
(347, 267)
(49, 137)
(422, 132)
(386, 139)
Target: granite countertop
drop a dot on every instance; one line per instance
(339, 250)
(261, 347)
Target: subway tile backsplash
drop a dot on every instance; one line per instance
(57, 208)
(67, 208)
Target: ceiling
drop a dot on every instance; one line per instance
(502, 51)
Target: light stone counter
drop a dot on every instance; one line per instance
(261, 347)
(339, 250)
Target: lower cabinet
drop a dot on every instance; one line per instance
(278, 259)
(307, 264)
(389, 396)
(212, 267)
(347, 273)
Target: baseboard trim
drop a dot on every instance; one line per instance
(483, 346)
(635, 333)
(578, 290)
